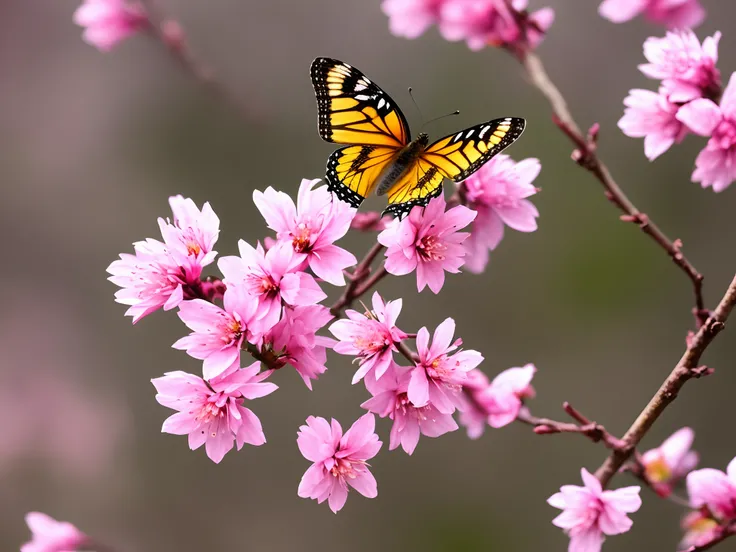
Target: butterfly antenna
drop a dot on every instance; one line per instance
(416, 105)
(456, 112)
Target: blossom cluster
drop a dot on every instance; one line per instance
(690, 100)
(479, 23)
(674, 14)
(270, 307)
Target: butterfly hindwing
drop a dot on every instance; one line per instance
(420, 183)
(353, 109)
(352, 171)
(461, 154)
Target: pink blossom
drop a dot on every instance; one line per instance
(653, 117)
(193, 233)
(474, 415)
(108, 22)
(438, 377)
(372, 337)
(212, 413)
(687, 69)
(671, 461)
(391, 399)
(164, 274)
(270, 277)
(411, 18)
(715, 490)
(675, 14)
(311, 227)
(700, 529)
(294, 341)
(49, 535)
(427, 241)
(505, 395)
(590, 513)
(490, 22)
(498, 192)
(218, 334)
(339, 460)
(716, 164)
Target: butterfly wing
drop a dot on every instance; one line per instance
(460, 155)
(421, 182)
(455, 157)
(353, 110)
(352, 171)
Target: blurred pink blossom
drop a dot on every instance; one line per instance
(391, 400)
(164, 274)
(311, 227)
(671, 461)
(716, 164)
(371, 337)
(212, 413)
(474, 415)
(490, 22)
(504, 396)
(295, 341)
(670, 13)
(478, 22)
(498, 192)
(715, 490)
(49, 535)
(271, 276)
(411, 18)
(369, 221)
(427, 241)
(108, 22)
(438, 377)
(590, 513)
(652, 116)
(700, 529)
(218, 334)
(339, 460)
(687, 69)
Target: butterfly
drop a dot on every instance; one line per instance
(380, 154)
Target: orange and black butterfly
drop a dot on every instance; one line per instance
(381, 155)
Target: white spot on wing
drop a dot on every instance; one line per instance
(360, 86)
(381, 103)
(483, 131)
(362, 97)
(470, 133)
(457, 136)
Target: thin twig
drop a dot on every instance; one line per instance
(585, 427)
(410, 355)
(360, 281)
(170, 34)
(587, 157)
(686, 369)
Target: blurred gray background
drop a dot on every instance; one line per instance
(94, 144)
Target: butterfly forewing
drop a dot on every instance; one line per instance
(461, 154)
(354, 110)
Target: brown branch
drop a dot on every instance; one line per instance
(585, 427)
(587, 157)
(361, 281)
(169, 33)
(686, 369)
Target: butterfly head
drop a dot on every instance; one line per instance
(422, 139)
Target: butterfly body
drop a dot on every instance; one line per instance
(380, 155)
